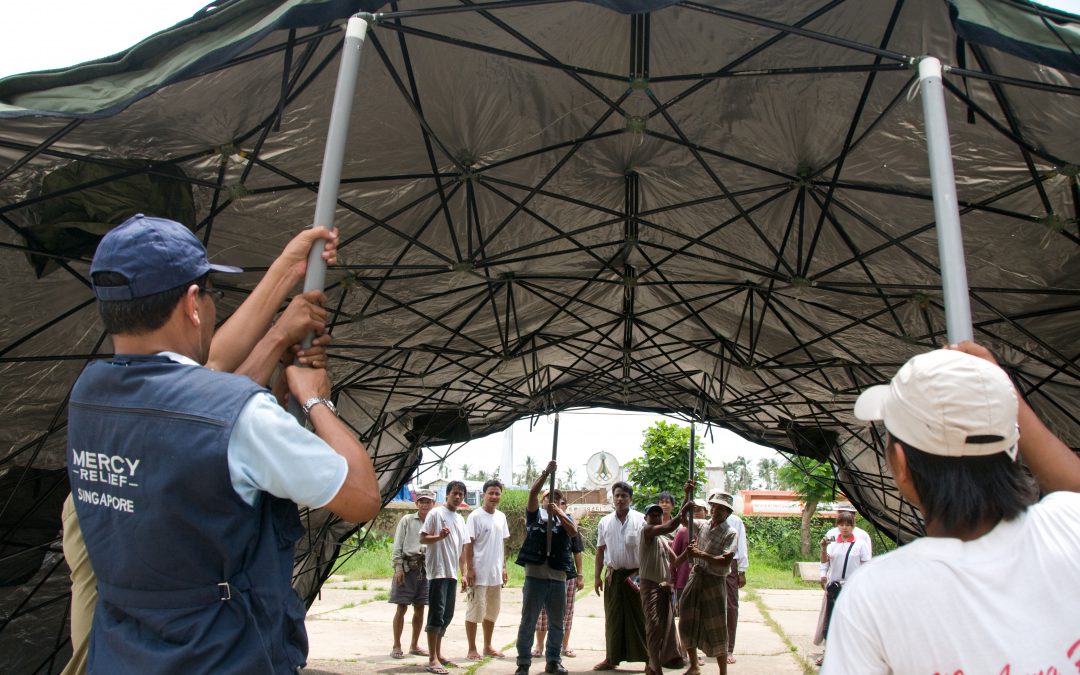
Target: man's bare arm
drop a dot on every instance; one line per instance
(358, 500)
(237, 337)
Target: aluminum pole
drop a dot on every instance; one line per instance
(551, 487)
(333, 158)
(954, 283)
(693, 461)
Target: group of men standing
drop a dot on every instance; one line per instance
(651, 565)
(434, 549)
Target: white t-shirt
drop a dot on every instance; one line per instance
(1007, 602)
(486, 532)
(621, 539)
(837, 552)
(442, 556)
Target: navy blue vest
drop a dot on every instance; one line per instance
(191, 579)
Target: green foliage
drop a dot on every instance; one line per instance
(737, 475)
(371, 560)
(774, 541)
(664, 463)
(813, 480)
(766, 474)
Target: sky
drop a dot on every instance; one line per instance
(45, 34)
(582, 434)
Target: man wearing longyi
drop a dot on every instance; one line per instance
(189, 510)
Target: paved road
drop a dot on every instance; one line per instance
(350, 633)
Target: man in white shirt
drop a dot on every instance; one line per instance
(444, 535)
(995, 585)
(486, 532)
(735, 581)
(617, 537)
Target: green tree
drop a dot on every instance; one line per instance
(569, 475)
(465, 472)
(664, 463)
(766, 473)
(814, 482)
(530, 473)
(737, 475)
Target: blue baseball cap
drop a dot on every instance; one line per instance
(154, 255)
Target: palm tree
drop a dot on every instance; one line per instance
(569, 473)
(530, 470)
(464, 472)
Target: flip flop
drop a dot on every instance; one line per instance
(536, 653)
(418, 652)
(450, 664)
(604, 665)
(436, 670)
(495, 655)
(569, 653)
(397, 654)
(730, 658)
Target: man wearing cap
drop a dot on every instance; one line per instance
(186, 479)
(711, 550)
(654, 581)
(409, 585)
(680, 573)
(995, 585)
(617, 537)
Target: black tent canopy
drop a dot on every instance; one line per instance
(718, 210)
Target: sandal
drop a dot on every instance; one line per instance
(397, 653)
(569, 653)
(418, 652)
(437, 670)
(605, 665)
(450, 664)
(820, 660)
(537, 653)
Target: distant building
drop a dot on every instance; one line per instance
(780, 503)
(473, 490)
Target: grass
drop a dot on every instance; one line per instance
(764, 573)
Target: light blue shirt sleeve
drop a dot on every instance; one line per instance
(270, 452)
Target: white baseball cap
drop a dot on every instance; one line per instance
(948, 403)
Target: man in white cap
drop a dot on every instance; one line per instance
(410, 585)
(994, 587)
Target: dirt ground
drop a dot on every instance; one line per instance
(350, 632)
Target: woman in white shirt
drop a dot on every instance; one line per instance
(841, 557)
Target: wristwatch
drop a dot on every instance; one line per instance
(316, 400)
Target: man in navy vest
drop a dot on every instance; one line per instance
(186, 480)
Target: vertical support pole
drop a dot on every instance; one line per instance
(693, 463)
(551, 486)
(946, 211)
(333, 158)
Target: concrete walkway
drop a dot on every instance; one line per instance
(350, 633)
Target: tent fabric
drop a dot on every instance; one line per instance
(1022, 29)
(718, 210)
